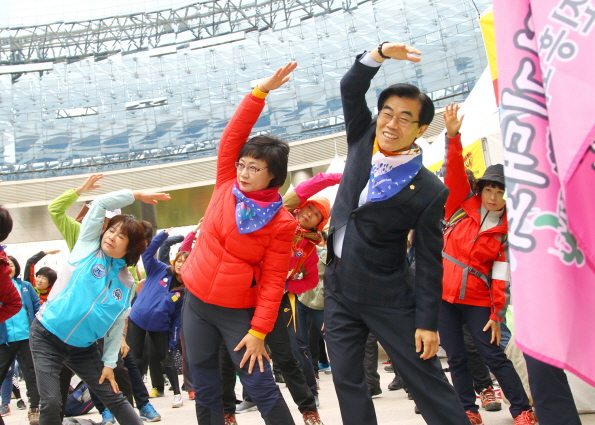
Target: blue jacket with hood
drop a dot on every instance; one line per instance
(91, 297)
(158, 307)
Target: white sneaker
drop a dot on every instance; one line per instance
(178, 402)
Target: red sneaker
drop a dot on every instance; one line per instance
(191, 395)
(525, 418)
(489, 401)
(229, 420)
(475, 418)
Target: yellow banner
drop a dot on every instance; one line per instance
(474, 160)
(489, 38)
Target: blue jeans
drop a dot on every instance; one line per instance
(7, 384)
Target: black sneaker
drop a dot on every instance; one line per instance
(21, 405)
(396, 384)
(375, 393)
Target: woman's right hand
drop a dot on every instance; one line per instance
(452, 122)
(255, 351)
(149, 197)
(277, 79)
(89, 184)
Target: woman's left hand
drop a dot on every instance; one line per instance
(496, 331)
(277, 79)
(108, 373)
(255, 350)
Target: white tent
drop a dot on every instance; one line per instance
(481, 121)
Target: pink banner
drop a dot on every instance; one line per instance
(545, 64)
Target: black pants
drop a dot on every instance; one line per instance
(205, 326)
(288, 313)
(479, 371)
(371, 364)
(21, 351)
(452, 317)
(50, 354)
(284, 358)
(554, 404)
(347, 325)
(136, 340)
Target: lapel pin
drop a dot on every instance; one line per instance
(412, 187)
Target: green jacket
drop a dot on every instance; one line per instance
(68, 226)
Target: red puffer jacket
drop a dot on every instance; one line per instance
(233, 270)
(484, 251)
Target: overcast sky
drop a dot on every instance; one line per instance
(15, 13)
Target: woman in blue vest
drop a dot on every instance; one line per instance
(91, 300)
(14, 337)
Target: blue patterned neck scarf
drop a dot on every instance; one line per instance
(253, 215)
(390, 174)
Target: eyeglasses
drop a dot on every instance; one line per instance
(251, 169)
(401, 121)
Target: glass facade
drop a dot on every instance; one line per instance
(100, 112)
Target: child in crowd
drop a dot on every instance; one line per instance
(235, 275)
(45, 277)
(89, 301)
(476, 277)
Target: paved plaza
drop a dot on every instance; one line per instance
(392, 408)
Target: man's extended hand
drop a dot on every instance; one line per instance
(429, 341)
(397, 51)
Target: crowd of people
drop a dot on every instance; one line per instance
(254, 290)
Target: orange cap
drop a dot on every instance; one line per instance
(324, 207)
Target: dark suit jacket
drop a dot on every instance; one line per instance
(374, 269)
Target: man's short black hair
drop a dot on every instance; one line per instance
(409, 91)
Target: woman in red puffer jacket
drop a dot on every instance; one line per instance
(236, 272)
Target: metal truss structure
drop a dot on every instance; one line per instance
(70, 41)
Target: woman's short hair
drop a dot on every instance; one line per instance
(5, 223)
(272, 150)
(17, 266)
(480, 184)
(180, 254)
(49, 273)
(136, 233)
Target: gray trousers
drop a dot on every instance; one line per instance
(50, 353)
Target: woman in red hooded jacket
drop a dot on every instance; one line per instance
(476, 277)
(235, 275)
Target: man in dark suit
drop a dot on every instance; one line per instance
(369, 285)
